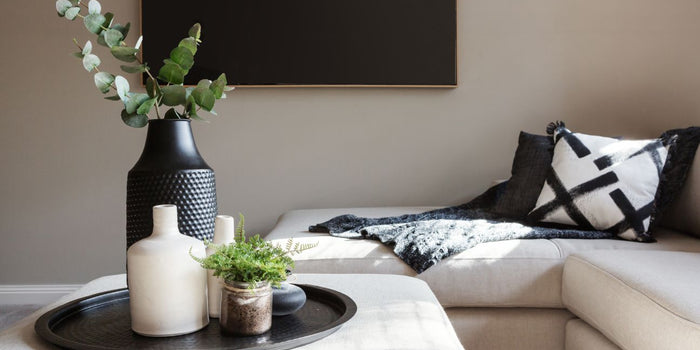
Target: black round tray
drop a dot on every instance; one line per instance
(103, 321)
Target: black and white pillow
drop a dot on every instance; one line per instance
(601, 183)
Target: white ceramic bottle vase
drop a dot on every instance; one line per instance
(167, 288)
(223, 234)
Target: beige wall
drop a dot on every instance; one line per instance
(621, 67)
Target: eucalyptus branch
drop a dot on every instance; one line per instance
(137, 106)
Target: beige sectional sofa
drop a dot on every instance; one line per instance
(544, 294)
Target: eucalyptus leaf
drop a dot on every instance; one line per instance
(109, 17)
(62, 6)
(122, 87)
(87, 48)
(113, 98)
(91, 62)
(173, 95)
(138, 42)
(204, 98)
(93, 22)
(204, 83)
(113, 37)
(94, 7)
(123, 29)
(133, 101)
(190, 44)
(101, 39)
(192, 110)
(134, 69)
(124, 53)
(134, 120)
(218, 86)
(172, 73)
(72, 12)
(195, 31)
(152, 88)
(103, 81)
(182, 57)
(146, 106)
(78, 55)
(172, 114)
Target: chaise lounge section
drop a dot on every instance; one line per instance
(543, 293)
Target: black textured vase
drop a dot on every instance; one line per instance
(170, 171)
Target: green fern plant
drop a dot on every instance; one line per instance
(251, 260)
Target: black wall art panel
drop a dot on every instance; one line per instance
(310, 42)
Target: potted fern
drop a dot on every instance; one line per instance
(249, 268)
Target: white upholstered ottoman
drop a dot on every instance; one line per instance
(393, 312)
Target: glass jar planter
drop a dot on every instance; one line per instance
(245, 310)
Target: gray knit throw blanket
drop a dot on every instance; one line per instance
(422, 240)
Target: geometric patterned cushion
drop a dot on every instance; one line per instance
(601, 183)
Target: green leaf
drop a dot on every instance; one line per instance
(103, 81)
(134, 101)
(123, 29)
(204, 83)
(190, 44)
(122, 87)
(87, 49)
(173, 95)
(229, 88)
(101, 39)
(152, 87)
(113, 98)
(109, 17)
(191, 107)
(62, 6)
(91, 62)
(78, 55)
(172, 114)
(172, 73)
(113, 37)
(124, 53)
(72, 12)
(134, 120)
(193, 114)
(134, 69)
(138, 42)
(218, 85)
(93, 22)
(195, 31)
(94, 7)
(204, 98)
(182, 57)
(146, 106)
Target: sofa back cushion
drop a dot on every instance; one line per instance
(684, 212)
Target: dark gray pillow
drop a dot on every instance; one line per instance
(682, 145)
(530, 168)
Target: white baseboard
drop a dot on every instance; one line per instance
(18, 294)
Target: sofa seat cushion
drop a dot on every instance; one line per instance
(637, 299)
(581, 336)
(516, 273)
